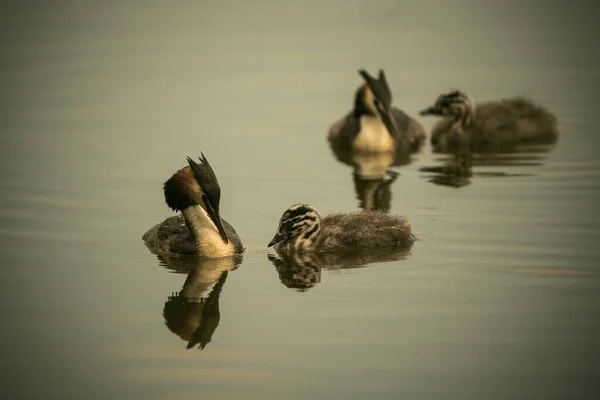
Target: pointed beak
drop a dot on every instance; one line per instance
(433, 110)
(216, 219)
(390, 122)
(276, 239)
(213, 215)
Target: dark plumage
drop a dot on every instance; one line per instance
(373, 118)
(301, 228)
(172, 236)
(195, 192)
(492, 124)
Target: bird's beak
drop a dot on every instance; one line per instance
(390, 122)
(216, 219)
(433, 110)
(213, 215)
(276, 239)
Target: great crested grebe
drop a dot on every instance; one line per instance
(301, 228)
(507, 122)
(374, 125)
(195, 192)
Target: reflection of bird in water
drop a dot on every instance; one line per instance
(296, 272)
(374, 125)
(193, 314)
(374, 194)
(302, 229)
(501, 124)
(195, 192)
(457, 172)
(372, 179)
(302, 271)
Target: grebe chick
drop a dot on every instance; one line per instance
(301, 228)
(374, 125)
(507, 122)
(195, 192)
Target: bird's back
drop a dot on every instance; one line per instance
(172, 236)
(363, 230)
(509, 121)
(410, 128)
(342, 132)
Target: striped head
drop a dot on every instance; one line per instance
(298, 229)
(454, 104)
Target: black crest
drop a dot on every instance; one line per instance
(379, 86)
(207, 180)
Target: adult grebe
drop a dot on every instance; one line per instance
(374, 125)
(199, 230)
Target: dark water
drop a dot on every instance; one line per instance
(101, 102)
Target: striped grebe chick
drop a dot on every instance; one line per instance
(374, 125)
(199, 230)
(493, 124)
(301, 228)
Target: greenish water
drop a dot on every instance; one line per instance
(102, 102)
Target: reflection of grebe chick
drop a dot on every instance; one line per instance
(301, 228)
(460, 164)
(195, 192)
(302, 270)
(374, 125)
(299, 274)
(506, 122)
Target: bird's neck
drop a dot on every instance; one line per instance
(208, 240)
(465, 118)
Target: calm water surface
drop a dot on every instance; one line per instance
(101, 102)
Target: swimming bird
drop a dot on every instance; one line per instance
(302, 229)
(374, 125)
(199, 230)
(507, 122)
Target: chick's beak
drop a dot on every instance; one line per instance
(429, 111)
(276, 239)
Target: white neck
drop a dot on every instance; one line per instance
(209, 242)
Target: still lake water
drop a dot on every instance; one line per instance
(101, 102)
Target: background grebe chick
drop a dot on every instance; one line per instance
(511, 122)
(195, 192)
(301, 228)
(374, 125)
